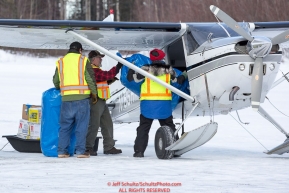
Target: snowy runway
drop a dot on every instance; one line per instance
(232, 161)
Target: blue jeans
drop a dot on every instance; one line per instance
(73, 114)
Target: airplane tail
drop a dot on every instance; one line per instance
(110, 17)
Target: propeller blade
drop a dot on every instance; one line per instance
(256, 84)
(230, 22)
(282, 37)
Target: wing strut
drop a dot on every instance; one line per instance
(131, 66)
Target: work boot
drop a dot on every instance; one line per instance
(113, 151)
(91, 152)
(66, 155)
(84, 155)
(138, 154)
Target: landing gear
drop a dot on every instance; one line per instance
(164, 137)
(284, 147)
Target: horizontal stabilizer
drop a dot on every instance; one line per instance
(280, 149)
(193, 139)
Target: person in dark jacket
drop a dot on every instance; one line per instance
(155, 98)
(74, 77)
(99, 113)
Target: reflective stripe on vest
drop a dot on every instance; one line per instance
(151, 90)
(103, 90)
(71, 70)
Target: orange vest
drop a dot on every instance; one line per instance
(151, 90)
(102, 88)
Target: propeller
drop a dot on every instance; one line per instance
(282, 37)
(230, 22)
(257, 47)
(256, 83)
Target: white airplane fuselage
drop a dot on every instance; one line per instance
(211, 83)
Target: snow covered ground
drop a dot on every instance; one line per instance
(233, 161)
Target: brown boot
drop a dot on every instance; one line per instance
(113, 151)
(91, 152)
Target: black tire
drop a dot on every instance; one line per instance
(164, 138)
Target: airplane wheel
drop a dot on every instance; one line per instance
(163, 139)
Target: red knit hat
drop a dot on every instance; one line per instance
(157, 54)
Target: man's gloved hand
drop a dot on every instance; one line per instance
(129, 76)
(94, 98)
(109, 82)
(118, 66)
(140, 76)
(185, 74)
(181, 79)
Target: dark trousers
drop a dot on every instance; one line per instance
(142, 137)
(100, 117)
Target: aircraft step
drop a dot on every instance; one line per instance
(193, 139)
(280, 149)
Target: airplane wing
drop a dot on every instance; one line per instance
(51, 34)
(133, 36)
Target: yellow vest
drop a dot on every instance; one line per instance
(103, 91)
(151, 90)
(71, 74)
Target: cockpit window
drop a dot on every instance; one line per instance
(201, 31)
(190, 42)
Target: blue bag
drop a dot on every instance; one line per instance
(139, 60)
(51, 103)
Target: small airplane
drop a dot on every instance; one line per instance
(230, 65)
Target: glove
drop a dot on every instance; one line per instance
(129, 76)
(118, 67)
(185, 74)
(94, 98)
(109, 82)
(181, 79)
(140, 76)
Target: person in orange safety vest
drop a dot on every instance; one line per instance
(74, 77)
(155, 99)
(99, 113)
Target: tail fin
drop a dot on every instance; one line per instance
(110, 17)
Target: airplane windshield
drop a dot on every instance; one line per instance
(201, 31)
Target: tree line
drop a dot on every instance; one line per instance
(142, 11)
(94, 10)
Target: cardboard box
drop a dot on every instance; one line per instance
(34, 115)
(23, 129)
(25, 110)
(34, 130)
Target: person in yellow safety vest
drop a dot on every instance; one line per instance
(74, 77)
(99, 113)
(155, 98)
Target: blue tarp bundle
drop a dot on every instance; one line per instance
(51, 103)
(139, 60)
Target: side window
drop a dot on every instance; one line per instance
(190, 42)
